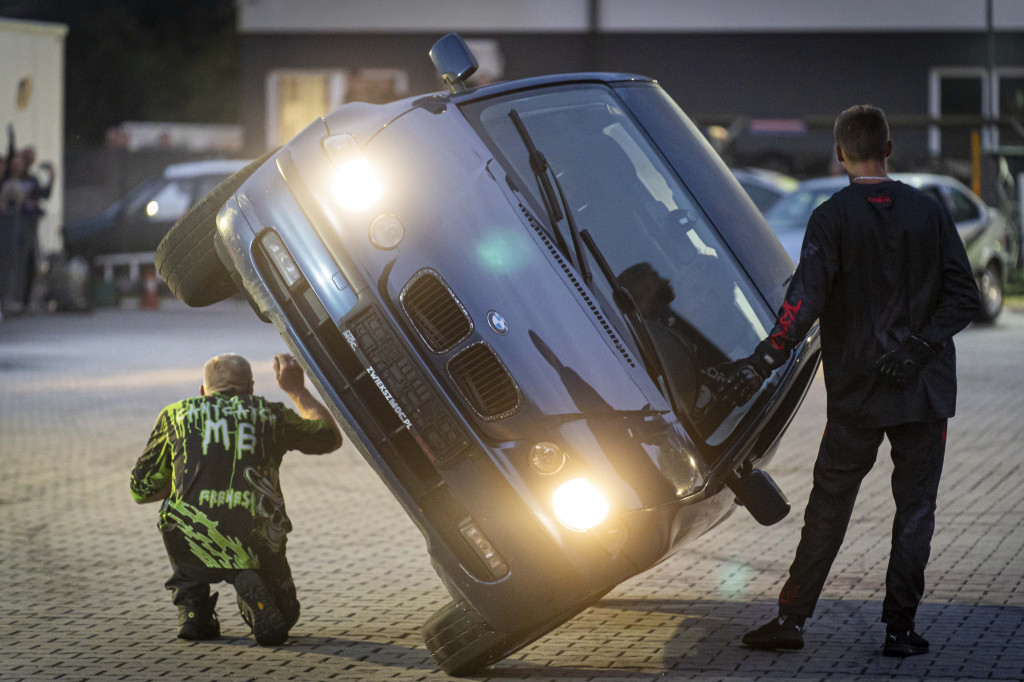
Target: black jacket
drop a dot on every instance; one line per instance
(880, 262)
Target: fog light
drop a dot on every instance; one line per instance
(387, 231)
(546, 459)
(279, 255)
(483, 548)
(355, 186)
(579, 505)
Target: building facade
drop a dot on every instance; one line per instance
(763, 78)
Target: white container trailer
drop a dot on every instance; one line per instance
(32, 100)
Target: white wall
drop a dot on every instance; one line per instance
(404, 16)
(35, 51)
(571, 16)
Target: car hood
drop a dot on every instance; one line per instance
(580, 380)
(567, 353)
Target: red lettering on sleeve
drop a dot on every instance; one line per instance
(786, 319)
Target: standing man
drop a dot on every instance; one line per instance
(884, 269)
(214, 462)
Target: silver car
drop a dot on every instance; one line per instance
(985, 231)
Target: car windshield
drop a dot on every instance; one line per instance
(653, 234)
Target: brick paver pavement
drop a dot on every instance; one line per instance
(82, 566)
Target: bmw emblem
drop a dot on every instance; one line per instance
(497, 323)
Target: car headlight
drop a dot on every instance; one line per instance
(281, 259)
(387, 231)
(546, 459)
(355, 185)
(579, 505)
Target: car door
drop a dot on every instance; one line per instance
(968, 215)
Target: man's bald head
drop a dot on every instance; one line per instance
(225, 372)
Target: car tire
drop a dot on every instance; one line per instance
(990, 286)
(461, 641)
(186, 257)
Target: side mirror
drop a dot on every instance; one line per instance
(454, 61)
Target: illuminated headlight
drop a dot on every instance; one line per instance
(281, 258)
(546, 459)
(355, 186)
(386, 231)
(579, 505)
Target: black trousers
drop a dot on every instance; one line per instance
(844, 458)
(190, 584)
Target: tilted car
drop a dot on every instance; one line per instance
(514, 297)
(985, 231)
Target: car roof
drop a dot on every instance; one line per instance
(502, 87)
(766, 178)
(837, 182)
(208, 167)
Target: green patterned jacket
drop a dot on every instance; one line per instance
(219, 455)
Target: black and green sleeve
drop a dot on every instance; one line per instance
(151, 477)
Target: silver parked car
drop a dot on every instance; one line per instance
(985, 231)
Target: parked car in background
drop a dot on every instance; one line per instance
(765, 187)
(139, 220)
(514, 298)
(985, 231)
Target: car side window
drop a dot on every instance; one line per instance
(170, 202)
(963, 208)
(935, 193)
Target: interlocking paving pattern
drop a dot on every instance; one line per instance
(82, 566)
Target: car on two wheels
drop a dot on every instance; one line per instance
(514, 297)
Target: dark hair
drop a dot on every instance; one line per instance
(862, 133)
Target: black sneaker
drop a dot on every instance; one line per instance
(198, 621)
(778, 633)
(259, 611)
(903, 643)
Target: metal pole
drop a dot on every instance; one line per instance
(993, 85)
(593, 34)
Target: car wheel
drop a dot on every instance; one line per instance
(461, 641)
(186, 257)
(990, 286)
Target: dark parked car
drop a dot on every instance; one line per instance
(139, 220)
(514, 298)
(986, 233)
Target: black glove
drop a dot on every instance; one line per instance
(899, 367)
(741, 379)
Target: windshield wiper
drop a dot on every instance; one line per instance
(555, 204)
(634, 320)
(558, 208)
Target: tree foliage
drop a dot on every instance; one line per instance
(142, 60)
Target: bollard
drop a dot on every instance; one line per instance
(150, 296)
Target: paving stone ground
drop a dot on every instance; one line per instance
(82, 566)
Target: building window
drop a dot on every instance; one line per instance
(296, 98)
(969, 92)
(956, 93)
(1010, 100)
